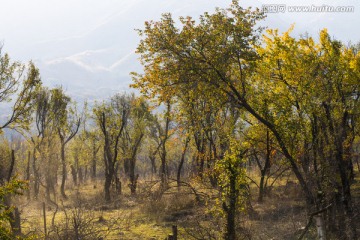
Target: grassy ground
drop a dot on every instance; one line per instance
(147, 216)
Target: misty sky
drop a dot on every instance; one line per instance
(90, 44)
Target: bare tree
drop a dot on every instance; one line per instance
(67, 123)
(111, 118)
(133, 137)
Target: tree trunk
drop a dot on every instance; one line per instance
(132, 177)
(345, 190)
(153, 164)
(110, 161)
(109, 173)
(127, 166)
(118, 185)
(230, 210)
(86, 173)
(93, 169)
(74, 175)
(64, 173)
(81, 175)
(163, 173)
(107, 185)
(261, 187)
(16, 224)
(44, 218)
(133, 183)
(320, 226)
(28, 175)
(357, 163)
(94, 160)
(266, 168)
(48, 186)
(182, 160)
(75, 171)
(200, 163)
(14, 218)
(36, 176)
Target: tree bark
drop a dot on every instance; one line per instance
(133, 178)
(81, 175)
(14, 216)
(153, 164)
(230, 210)
(266, 168)
(320, 226)
(27, 178)
(94, 160)
(182, 160)
(163, 173)
(36, 176)
(74, 175)
(64, 172)
(107, 185)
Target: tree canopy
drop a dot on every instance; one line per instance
(304, 91)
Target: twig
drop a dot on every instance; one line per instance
(280, 174)
(252, 181)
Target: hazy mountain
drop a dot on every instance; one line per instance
(97, 63)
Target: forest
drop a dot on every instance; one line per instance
(235, 131)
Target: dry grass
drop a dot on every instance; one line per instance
(147, 216)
